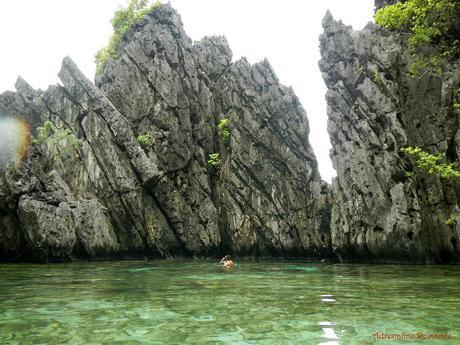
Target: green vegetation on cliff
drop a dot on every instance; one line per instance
(214, 159)
(122, 21)
(60, 141)
(428, 23)
(223, 131)
(431, 163)
(145, 140)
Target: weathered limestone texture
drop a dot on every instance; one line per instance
(114, 198)
(375, 108)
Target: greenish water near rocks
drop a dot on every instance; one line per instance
(194, 302)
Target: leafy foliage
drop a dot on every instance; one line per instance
(428, 22)
(62, 141)
(378, 79)
(425, 19)
(122, 21)
(145, 140)
(431, 163)
(450, 221)
(432, 64)
(223, 131)
(394, 16)
(214, 159)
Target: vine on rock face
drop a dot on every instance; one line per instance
(62, 141)
(428, 23)
(122, 21)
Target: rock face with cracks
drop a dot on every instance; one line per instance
(115, 198)
(385, 209)
(118, 196)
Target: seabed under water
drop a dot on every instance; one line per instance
(196, 302)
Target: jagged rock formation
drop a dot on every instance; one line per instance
(374, 108)
(114, 198)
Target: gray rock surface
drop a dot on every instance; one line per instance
(113, 198)
(374, 108)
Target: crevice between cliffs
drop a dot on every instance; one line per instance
(116, 197)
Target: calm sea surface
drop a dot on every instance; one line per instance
(195, 302)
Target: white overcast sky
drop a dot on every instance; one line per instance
(36, 35)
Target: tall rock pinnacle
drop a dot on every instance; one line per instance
(143, 182)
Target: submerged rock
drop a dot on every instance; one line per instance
(113, 197)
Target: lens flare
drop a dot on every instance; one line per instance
(14, 141)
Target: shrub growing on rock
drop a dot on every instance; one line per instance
(431, 163)
(214, 159)
(428, 23)
(145, 140)
(60, 141)
(122, 21)
(223, 131)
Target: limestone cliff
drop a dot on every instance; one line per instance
(117, 196)
(382, 210)
(114, 198)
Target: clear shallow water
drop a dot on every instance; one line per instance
(194, 302)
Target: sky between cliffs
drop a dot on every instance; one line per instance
(36, 35)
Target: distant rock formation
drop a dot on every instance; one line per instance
(113, 198)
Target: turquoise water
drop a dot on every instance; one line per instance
(194, 302)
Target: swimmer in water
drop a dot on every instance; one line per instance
(226, 262)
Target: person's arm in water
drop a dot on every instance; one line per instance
(224, 259)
